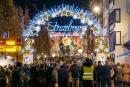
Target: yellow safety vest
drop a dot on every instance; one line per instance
(88, 73)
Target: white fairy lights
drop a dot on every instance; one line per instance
(43, 17)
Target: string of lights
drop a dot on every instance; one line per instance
(43, 17)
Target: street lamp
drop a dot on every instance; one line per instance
(97, 9)
(80, 51)
(53, 55)
(9, 57)
(45, 56)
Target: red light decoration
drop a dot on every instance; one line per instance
(2, 42)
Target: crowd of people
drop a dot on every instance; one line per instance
(65, 72)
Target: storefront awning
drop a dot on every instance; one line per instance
(127, 45)
(124, 54)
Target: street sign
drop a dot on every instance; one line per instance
(6, 35)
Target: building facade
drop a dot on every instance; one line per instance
(116, 20)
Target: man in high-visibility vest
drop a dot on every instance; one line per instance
(88, 73)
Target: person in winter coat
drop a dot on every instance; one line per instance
(99, 70)
(118, 75)
(48, 75)
(126, 75)
(17, 80)
(75, 72)
(2, 77)
(69, 77)
(33, 76)
(88, 73)
(41, 78)
(26, 73)
(107, 74)
(62, 76)
(55, 76)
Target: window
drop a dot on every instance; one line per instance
(111, 1)
(106, 4)
(112, 18)
(112, 41)
(111, 4)
(117, 15)
(118, 37)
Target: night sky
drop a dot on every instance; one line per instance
(36, 5)
(50, 3)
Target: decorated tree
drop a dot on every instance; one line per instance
(100, 45)
(9, 19)
(43, 41)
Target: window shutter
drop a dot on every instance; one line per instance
(128, 5)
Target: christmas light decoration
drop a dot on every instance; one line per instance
(100, 45)
(86, 17)
(66, 41)
(43, 18)
(58, 28)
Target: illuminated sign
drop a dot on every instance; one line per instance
(59, 34)
(10, 48)
(53, 27)
(10, 42)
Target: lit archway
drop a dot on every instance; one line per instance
(86, 17)
(43, 17)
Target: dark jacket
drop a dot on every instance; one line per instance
(16, 77)
(75, 71)
(99, 70)
(62, 74)
(107, 72)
